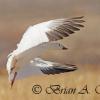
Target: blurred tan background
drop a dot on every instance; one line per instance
(84, 46)
(16, 16)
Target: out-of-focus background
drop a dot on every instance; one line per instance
(84, 46)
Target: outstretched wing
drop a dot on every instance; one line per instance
(39, 66)
(49, 31)
(60, 28)
(57, 69)
(48, 67)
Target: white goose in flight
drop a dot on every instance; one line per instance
(36, 40)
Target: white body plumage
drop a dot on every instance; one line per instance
(39, 38)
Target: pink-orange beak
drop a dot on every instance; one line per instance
(13, 80)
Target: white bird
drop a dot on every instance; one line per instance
(36, 40)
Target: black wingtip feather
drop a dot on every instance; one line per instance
(58, 70)
(65, 27)
(80, 17)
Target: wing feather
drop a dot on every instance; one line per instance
(48, 67)
(64, 27)
(57, 69)
(52, 30)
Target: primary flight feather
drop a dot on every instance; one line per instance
(39, 38)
